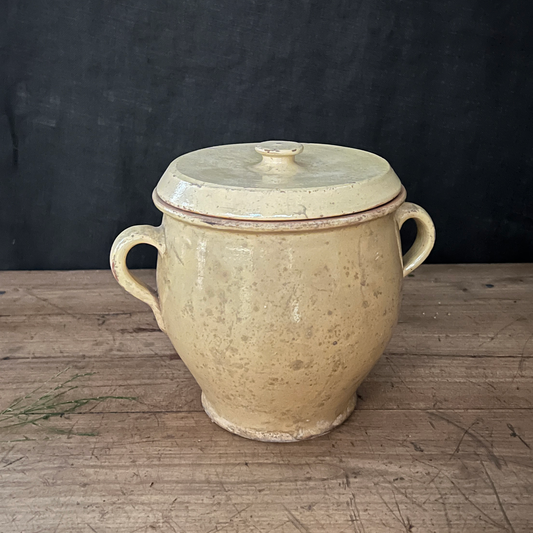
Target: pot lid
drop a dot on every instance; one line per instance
(277, 180)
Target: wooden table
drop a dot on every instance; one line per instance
(441, 439)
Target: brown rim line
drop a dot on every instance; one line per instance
(274, 226)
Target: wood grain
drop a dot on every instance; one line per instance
(441, 440)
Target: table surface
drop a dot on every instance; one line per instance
(441, 439)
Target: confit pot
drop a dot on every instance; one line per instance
(279, 278)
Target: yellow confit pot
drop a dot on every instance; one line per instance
(279, 278)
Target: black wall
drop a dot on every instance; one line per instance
(98, 96)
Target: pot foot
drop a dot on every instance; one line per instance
(321, 428)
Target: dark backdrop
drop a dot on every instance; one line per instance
(98, 96)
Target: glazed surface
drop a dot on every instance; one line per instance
(279, 329)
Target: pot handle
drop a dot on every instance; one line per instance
(425, 236)
(119, 251)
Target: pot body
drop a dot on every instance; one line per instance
(279, 329)
(280, 325)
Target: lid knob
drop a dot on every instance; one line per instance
(278, 156)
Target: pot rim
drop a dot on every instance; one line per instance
(276, 226)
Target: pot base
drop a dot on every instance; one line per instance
(320, 428)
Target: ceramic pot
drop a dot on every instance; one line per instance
(279, 321)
